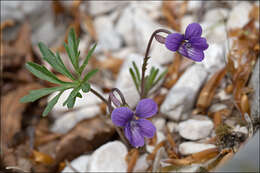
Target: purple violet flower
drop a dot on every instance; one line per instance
(190, 45)
(136, 127)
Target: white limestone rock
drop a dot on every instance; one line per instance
(187, 148)
(141, 164)
(196, 128)
(160, 137)
(108, 38)
(110, 157)
(67, 121)
(217, 107)
(182, 95)
(215, 15)
(45, 30)
(159, 123)
(173, 127)
(80, 164)
(124, 81)
(239, 16)
(214, 58)
(193, 6)
(124, 26)
(136, 27)
(101, 7)
(18, 10)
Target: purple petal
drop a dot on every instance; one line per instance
(146, 108)
(173, 41)
(199, 43)
(192, 53)
(146, 127)
(134, 136)
(193, 30)
(120, 116)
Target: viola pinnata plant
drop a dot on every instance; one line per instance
(132, 126)
(78, 83)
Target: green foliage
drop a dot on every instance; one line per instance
(150, 81)
(78, 82)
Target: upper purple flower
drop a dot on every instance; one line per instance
(136, 128)
(191, 44)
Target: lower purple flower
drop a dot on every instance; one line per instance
(190, 44)
(136, 129)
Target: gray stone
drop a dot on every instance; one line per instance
(255, 98)
(198, 127)
(182, 95)
(109, 157)
(246, 159)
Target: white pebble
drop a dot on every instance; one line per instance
(196, 128)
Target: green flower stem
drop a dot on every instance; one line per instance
(143, 95)
(99, 96)
(118, 130)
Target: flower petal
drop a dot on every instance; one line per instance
(147, 128)
(146, 108)
(192, 53)
(193, 30)
(173, 41)
(199, 43)
(134, 135)
(120, 116)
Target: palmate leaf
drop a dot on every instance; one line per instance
(36, 94)
(89, 75)
(70, 101)
(72, 49)
(51, 104)
(54, 61)
(43, 73)
(87, 58)
(79, 83)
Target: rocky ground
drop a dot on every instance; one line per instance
(207, 110)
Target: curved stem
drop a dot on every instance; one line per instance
(99, 96)
(146, 58)
(120, 133)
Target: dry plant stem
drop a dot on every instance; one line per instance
(146, 59)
